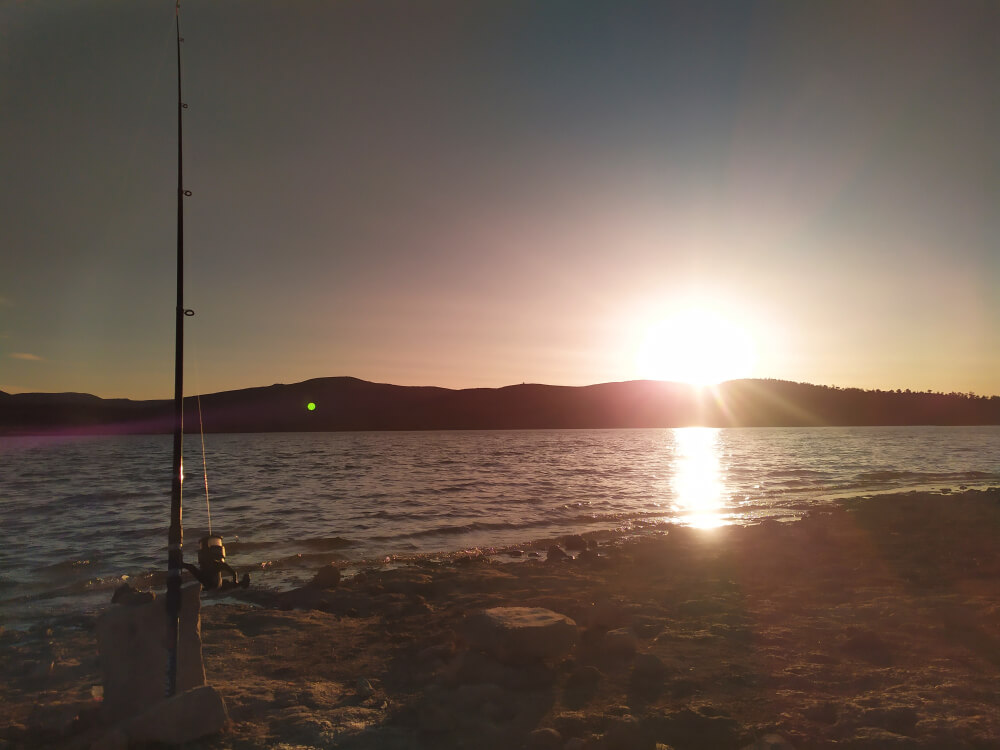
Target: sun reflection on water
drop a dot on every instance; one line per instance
(697, 484)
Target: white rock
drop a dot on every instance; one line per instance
(520, 633)
(133, 657)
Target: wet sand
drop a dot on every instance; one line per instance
(872, 625)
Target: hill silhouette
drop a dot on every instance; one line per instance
(345, 403)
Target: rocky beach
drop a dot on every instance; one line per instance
(872, 624)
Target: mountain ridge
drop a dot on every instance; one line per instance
(345, 403)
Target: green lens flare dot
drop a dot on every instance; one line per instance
(311, 406)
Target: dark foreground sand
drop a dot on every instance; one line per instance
(875, 625)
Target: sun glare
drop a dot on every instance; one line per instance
(695, 346)
(698, 480)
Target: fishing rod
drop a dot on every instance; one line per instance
(175, 535)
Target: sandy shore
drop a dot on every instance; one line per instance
(873, 625)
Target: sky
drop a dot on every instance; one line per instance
(469, 193)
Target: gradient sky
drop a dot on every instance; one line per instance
(463, 193)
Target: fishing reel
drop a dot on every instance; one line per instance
(211, 552)
(213, 570)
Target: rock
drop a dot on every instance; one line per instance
(870, 647)
(555, 554)
(304, 729)
(586, 676)
(896, 719)
(436, 653)
(417, 605)
(486, 581)
(825, 712)
(607, 614)
(580, 724)
(474, 697)
(116, 739)
(407, 581)
(544, 739)
(327, 577)
(647, 627)
(436, 713)
(770, 742)
(648, 667)
(592, 558)
(619, 642)
(875, 738)
(574, 542)
(627, 733)
(474, 668)
(520, 634)
(133, 659)
(37, 670)
(575, 743)
(365, 688)
(53, 719)
(125, 594)
(187, 716)
(16, 733)
(689, 728)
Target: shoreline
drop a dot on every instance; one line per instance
(875, 623)
(295, 569)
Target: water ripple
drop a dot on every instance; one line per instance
(77, 515)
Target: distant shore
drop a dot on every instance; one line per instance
(873, 624)
(349, 404)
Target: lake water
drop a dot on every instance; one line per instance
(80, 515)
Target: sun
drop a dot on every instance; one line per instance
(697, 346)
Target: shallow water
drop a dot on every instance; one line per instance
(79, 514)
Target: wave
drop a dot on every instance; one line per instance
(399, 493)
(902, 476)
(565, 521)
(798, 473)
(104, 496)
(302, 559)
(69, 565)
(332, 542)
(238, 547)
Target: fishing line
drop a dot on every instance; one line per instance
(201, 429)
(204, 466)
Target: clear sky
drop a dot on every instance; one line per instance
(466, 193)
